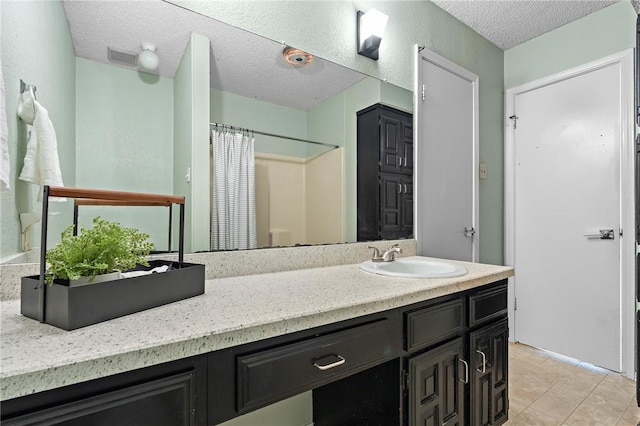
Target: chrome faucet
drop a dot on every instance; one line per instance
(386, 256)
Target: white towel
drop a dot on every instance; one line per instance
(5, 164)
(41, 163)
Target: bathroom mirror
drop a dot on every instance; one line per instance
(124, 116)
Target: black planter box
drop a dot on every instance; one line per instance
(74, 307)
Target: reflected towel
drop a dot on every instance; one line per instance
(5, 164)
(41, 163)
(156, 270)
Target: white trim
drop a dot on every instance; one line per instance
(417, 110)
(444, 63)
(627, 255)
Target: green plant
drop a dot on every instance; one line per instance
(106, 247)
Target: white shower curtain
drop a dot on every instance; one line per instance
(233, 212)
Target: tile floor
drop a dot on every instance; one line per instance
(549, 389)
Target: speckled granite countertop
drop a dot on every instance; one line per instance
(35, 357)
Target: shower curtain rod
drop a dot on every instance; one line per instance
(257, 132)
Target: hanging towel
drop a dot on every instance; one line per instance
(41, 163)
(5, 164)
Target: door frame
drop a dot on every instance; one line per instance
(627, 222)
(422, 53)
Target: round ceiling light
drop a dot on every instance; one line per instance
(148, 58)
(297, 57)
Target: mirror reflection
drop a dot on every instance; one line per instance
(133, 128)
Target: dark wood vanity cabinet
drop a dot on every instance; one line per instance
(442, 361)
(457, 366)
(385, 173)
(333, 360)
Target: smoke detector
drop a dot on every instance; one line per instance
(297, 57)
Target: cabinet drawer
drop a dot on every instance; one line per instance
(167, 401)
(275, 374)
(487, 304)
(431, 325)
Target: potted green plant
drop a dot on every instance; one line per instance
(105, 248)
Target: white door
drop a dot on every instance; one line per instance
(567, 215)
(446, 186)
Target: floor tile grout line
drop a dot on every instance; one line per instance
(524, 354)
(600, 376)
(583, 400)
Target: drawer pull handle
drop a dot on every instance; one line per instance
(483, 369)
(324, 367)
(466, 371)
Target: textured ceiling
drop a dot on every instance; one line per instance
(242, 63)
(239, 56)
(508, 23)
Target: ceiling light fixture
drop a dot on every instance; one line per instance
(297, 57)
(148, 58)
(370, 28)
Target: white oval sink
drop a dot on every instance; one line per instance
(415, 267)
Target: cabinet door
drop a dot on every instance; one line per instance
(396, 143)
(407, 145)
(436, 391)
(406, 208)
(391, 144)
(489, 374)
(390, 205)
(396, 206)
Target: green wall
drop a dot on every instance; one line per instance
(49, 64)
(332, 121)
(335, 120)
(595, 36)
(124, 141)
(240, 111)
(191, 141)
(328, 28)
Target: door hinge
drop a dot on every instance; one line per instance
(637, 248)
(637, 306)
(424, 92)
(515, 303)
(514, 118)
(405, 379)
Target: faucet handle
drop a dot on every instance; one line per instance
(396, 246)
(389, 255)
(376, 253)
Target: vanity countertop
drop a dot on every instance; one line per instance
(35, 357)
